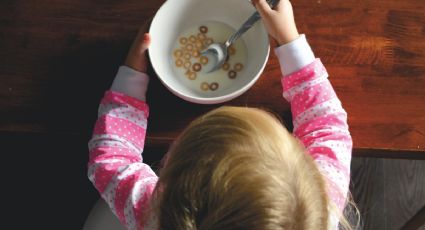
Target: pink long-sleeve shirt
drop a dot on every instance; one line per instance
(116, 165)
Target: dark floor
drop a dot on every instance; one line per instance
(45, 184)
(388, 192)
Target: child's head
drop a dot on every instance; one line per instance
(239, 168)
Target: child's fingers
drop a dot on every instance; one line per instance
(146, 41)
(141, 43)
(262, 6)
(136, 58)
(282, 4)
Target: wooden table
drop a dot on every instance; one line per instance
(57, 58)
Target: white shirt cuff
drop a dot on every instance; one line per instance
(294, 55)
(131, 82)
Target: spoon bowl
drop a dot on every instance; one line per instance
(216, 52)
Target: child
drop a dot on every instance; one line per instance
(233, 168)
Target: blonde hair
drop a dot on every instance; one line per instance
(239, 168)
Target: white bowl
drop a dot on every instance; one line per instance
(176, 16)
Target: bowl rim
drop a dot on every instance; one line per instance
(218, 99)
(207, 100)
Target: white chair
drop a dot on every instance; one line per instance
(102, 218)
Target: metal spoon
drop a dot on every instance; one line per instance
(218, 50)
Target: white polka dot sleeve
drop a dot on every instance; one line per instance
(320, 123)
(115, 163)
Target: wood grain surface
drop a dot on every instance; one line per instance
(389, 193)
(367, 188)
(404, 191)
(416, 222)
(57, 57)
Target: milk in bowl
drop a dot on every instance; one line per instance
(192, 68)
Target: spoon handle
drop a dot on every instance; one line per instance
(251, 21)
(248, 24)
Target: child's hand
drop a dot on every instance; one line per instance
(279, 21)
(136, 58)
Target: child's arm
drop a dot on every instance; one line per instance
(319, 120)
(115, 162)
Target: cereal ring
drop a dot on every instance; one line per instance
(203, 60)
(178, 53)
(199, 45)
(183, 40)
(203, 29)
(187, 56)
(231, 50)
(187, 64)
(232, 74)
(191, 75)
(196, 67)
(192, 38)
(189, 47)
(214, 86)
(201, 36)
(238, 67)
(226, 66)
(208, 41)
(179, 62)
(205, 86)
(196, 53)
